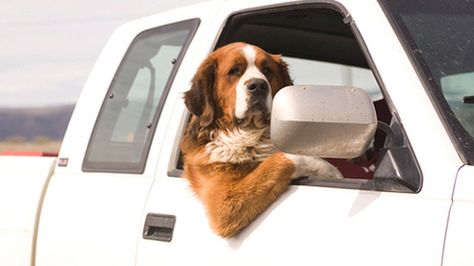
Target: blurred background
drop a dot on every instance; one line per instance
(47, 49)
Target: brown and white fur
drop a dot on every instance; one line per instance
(229, 159)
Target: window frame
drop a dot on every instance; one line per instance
(347, 183)
(462, 140)
(132, 167)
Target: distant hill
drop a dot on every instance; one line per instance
(33, 123)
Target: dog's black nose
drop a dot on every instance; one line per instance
(257, 85)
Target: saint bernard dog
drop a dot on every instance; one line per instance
(229, 159)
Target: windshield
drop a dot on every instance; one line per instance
(439, 36)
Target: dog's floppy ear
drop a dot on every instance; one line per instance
(284, 73)
(200, 98)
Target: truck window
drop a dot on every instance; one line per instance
(318, 43)
(124, 129)
(438, 36)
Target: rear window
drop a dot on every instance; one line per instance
(124, 129)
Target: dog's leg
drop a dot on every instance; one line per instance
(233, 205)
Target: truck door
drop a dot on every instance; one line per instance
(92, 213)
(376, 215)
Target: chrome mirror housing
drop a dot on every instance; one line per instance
(324, 121)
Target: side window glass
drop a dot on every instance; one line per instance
(124, 129)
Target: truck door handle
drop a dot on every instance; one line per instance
(159, 227)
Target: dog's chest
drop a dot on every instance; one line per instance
(239, 146)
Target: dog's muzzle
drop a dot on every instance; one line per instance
(258, 103)
(258, 95)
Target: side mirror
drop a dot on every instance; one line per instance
(340, 122)
(324, 121)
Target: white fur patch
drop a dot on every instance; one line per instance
(314, 167)
(239, 146)
(242, 94)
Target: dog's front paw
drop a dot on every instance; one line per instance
(313, 167)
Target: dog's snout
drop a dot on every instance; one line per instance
(257, 86)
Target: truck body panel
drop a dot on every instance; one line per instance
(22, 186)
(460, 234)
(89, 231)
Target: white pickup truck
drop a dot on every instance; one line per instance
(114, 195)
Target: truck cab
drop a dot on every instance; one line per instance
(117, 196)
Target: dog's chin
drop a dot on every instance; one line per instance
(257, 117)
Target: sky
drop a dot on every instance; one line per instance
(48, 47)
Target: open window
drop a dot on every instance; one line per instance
(318, 43)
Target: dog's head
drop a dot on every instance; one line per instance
(234, 87)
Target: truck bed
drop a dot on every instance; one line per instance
(23, 180)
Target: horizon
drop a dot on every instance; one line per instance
(29, 107)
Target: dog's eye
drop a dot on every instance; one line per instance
(267, 71)
(235, 71)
